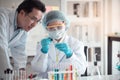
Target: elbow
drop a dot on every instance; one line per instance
(38, 68)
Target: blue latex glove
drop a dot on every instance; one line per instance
(45, 44)
(65, 48)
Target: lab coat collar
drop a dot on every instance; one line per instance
(15, 21)
(16, 37)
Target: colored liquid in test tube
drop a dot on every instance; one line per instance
(56, 75)
(66, 75)
(61, 76)
(75, 74)
(71, 74)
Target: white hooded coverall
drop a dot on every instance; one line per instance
(42, 63)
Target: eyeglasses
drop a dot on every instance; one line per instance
(34, 19)
(55, 27)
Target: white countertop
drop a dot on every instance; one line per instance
(102, 77)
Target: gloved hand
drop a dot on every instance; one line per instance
(65, 48)
(45, 44)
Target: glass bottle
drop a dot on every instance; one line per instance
(118, 63)
(96, 69)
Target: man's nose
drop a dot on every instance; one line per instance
(34, 24)
(55, 28)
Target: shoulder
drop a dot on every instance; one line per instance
(74, 40)
(25, 34)
(74, 43)
(7, 16)
(4, 13)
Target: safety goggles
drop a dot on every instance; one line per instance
(55, 27)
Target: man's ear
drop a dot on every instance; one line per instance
(22, 12)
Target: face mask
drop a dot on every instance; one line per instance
(56, 34)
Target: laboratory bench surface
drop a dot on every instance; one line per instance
(102, 77)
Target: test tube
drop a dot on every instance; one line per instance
(56, 75)
(74, 74)
(21, 74)
(5, 73)
(51, 75)
(66, 75)
(11, 74)
(61, 76)
(14, 72)
(16, 75)
(71, 74)
(8, 74)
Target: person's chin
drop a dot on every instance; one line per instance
(27, 30)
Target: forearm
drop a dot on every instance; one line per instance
(20, 63)
(19, 57)
(4, 57)
(79, 62)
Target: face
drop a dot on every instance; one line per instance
(30, 20)
(56, 30)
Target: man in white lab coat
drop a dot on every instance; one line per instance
(58, 50)
(13, 32)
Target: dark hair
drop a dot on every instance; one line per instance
(28, 5)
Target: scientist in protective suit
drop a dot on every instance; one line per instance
(58, 50)
(14, 26)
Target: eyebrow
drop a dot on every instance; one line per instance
(34, 17)
(37, 19)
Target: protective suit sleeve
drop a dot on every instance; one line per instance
(18, 52)
(4, 57)
(78, 59)
(40, 61)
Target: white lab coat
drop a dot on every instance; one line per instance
(42, 63)
(13, 39)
